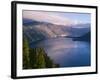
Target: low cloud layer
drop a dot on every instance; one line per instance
(50, 17)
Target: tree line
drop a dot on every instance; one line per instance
(34, 58)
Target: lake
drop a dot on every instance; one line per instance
(66, 52)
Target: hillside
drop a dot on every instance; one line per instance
(35, 58)
(85, 37)
(36, 31)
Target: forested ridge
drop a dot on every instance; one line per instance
(34, 58)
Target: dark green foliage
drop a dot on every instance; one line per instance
(25, 54)
(34, 58)
(40, 61)
(49, 62)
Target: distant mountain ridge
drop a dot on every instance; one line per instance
(36, 31)
(85, 37)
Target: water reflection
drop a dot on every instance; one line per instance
(66, 52)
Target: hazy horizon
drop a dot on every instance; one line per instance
(59, 18)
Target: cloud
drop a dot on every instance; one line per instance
(51, 17)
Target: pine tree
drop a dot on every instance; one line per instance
(40, 61)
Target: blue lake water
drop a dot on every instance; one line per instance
(66, 52)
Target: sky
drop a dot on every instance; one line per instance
(80, 17)
(59, 18)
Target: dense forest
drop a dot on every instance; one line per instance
(34, 58)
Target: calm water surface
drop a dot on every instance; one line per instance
(66, 52)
